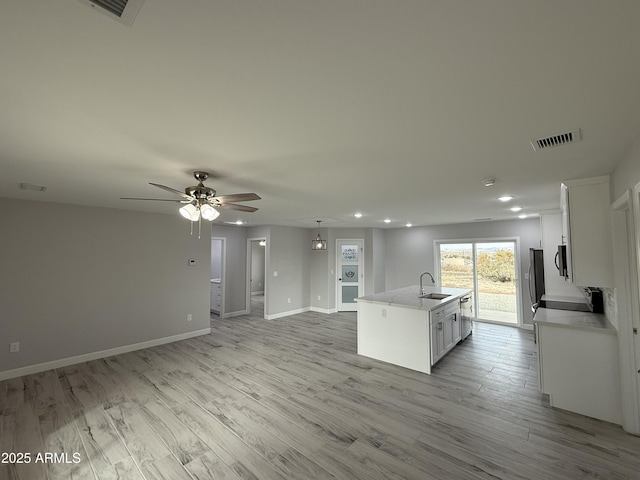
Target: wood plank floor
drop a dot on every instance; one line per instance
(291, 399)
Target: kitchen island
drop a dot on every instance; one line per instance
(406, 329)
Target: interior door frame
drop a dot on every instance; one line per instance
(625, 241)
(360, 243)
(248, 276)
(517, 260)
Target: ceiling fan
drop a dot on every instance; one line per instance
(201, 201)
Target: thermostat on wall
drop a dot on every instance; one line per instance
(192, 262)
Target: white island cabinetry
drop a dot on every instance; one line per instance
(400, 328)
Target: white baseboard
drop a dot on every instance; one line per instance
(236, 314)
(255, 294)
(527, 326)
(63, 362)
(324, 310)
(286, 314)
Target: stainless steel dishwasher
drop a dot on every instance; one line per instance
(466, 314)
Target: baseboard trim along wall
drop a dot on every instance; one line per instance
(236, 314)
(324, 310)
(63, 362)
(286, 314)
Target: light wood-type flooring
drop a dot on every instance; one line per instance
(291, 399)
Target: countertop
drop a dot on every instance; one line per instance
(408, 297)
(596, 322)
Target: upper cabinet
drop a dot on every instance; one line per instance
(586, 231)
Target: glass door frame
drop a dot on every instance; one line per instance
(349, 307)
(474, 241)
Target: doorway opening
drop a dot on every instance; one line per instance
(217, 277)
(489, 268)
(256, 267)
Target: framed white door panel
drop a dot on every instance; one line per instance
(349, 271)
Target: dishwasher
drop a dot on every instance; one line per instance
(466, 315)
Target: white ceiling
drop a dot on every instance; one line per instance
(395, 109)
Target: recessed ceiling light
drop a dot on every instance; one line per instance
(357, 215)
(515, 209)
(505, 198)
(522, 216)
(409, 225)
(387, 220)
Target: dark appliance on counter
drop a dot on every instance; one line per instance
(561, 261)
(595, 300)
(466, 314)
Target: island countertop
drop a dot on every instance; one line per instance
(409, 297)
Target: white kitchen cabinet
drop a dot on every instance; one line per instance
(579, 369)
(437, 340)
(586, 231)
(446, 330)
(216, 297)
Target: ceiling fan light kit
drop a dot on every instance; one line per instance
(202, 202)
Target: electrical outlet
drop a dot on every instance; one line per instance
(14, 347)
(189, 317)
(318, 297)
(384, 313)
(288, 300)
(275, 273)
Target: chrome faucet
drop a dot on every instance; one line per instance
(432, 281)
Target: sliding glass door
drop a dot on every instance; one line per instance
(489, 268)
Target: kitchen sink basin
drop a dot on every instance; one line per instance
(435, 296)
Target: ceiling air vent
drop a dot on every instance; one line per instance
(123, 11)
(556, 140)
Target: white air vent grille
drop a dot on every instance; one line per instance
(556, 140)
(124, 11)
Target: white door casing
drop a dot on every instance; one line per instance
(636, 303)
(624, 281)
(349, 273)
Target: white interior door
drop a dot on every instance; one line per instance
(350, 273)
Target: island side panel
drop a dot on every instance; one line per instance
(396, 335)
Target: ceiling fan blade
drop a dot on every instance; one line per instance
(233, 206)
(237, 197)
(153, 199)
(172, 190)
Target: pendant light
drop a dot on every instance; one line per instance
(317, 243)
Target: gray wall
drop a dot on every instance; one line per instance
(319, 281)
(216, 258)
(378, 254)
(627, 173)
(409, 251)
(289, 255)
(76, 280)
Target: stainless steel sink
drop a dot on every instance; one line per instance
(435, 296)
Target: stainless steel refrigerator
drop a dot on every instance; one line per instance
(536, 276)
